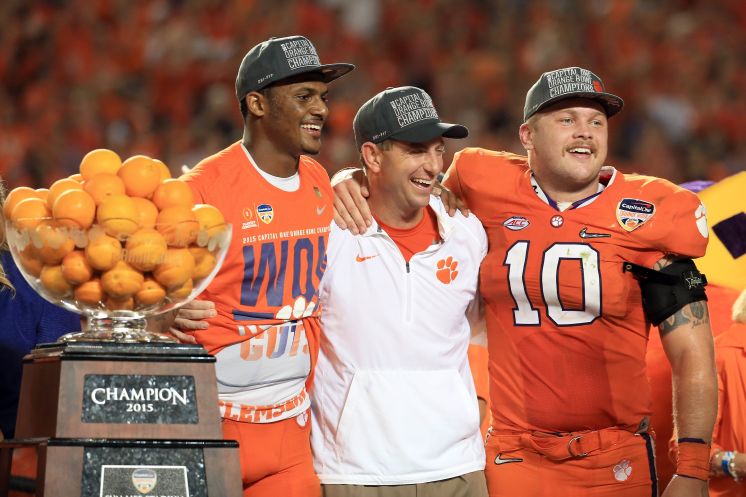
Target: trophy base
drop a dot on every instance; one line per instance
(118, 336)
(95, 467)
(118, 327)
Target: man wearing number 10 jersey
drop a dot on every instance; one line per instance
(567, 330)
(279, 202)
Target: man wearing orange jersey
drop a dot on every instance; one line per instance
(279, 201)
(567, 320)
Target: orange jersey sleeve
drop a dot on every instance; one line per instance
(567, 333)
(277, 255)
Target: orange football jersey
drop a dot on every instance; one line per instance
(566, 329)
(277, 255)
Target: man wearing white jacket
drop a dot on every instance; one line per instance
(394, 406)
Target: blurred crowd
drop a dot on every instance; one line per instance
(156, 77)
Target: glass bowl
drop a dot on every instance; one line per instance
(116, 276)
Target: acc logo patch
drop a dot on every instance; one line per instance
(266, 213)
(144, 480)
(633, 213)
(516, 223)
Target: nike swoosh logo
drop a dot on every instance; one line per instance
(320, 210)
(364, 258)
(584, 234)
(499, 460)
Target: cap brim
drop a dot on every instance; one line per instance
(427, 131)
(333, 71)
(611, 103)
(327, 73)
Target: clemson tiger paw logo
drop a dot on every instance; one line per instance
(622, 470)
(299, 309)
(447, 270)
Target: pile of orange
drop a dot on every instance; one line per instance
(118, 235)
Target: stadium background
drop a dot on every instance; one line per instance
(156, 77)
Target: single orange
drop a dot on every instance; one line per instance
(175, 269)
(118, 215)
(99, 161)
(103, 252)
(145, 249)
(126, 304)
(91, 292)
(75, 209)
(30, 261)
(52, 279)
(59, 187)
(151, 293)
(173, 192)
(210, 219)
(141, 176)
(75, 268)
(122, 281)
(147, 210)
(29, 213)
(102, 185)
(15, 196)
(52, 242)
(43, 193)
(178, 225)
(183, 291)
(204, 262)
(163, 169)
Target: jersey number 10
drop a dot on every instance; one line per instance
(525, 314)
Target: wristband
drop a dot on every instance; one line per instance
(725, 463)
(694, 459)
(732, 467)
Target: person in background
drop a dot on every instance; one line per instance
(728, 459)
(28, 320)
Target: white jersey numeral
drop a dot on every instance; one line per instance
(524, 314)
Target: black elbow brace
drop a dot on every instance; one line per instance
(666, 291)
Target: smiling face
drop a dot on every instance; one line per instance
(402, 176)
(567, 145)
(295, 116)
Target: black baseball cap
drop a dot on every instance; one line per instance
(570, 82)
(404, 113)
(279, 58)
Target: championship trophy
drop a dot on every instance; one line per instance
(115, 409)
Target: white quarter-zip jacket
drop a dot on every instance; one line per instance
(393, 399)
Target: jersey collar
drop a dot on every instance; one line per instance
(606, 178)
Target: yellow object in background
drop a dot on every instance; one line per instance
(724, 263)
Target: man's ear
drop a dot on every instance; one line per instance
(372, 156)
(526, 134)
(256, 103)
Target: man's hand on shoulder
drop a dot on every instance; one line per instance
(451, 202)
(351, 209)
